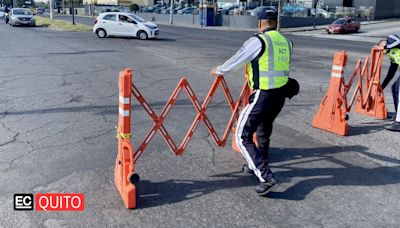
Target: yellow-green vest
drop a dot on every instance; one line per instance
(394, 55)
(270, 69)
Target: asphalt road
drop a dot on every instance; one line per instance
(58, 110)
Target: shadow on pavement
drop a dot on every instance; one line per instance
(153, 194)
(348, 174)
(297, 162)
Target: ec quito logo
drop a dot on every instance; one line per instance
(50, 202)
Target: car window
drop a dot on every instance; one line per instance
(339, 22)
(1, 10)
(21, 12)
(123, 18)
(110, 17)
(137, 18)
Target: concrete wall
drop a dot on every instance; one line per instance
(287, 22)
(184, 19)
(387, 9)
(358, 3)
(246, 22)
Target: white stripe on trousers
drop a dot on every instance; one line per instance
(244, 115)
(398, 105)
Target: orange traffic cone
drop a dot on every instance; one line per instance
(374, 103)
(331, 115)
(124, 178)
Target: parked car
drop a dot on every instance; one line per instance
(150, 9)
(2, 12)
(322, 13)
(188, 10)
(343, 25)
(293, 9)
(39, 11)
(256, 11)
(124, 24)
(21, 16)
(158, 9)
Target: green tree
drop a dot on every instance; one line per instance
(134, 7)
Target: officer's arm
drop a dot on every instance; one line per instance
(249, 51)
(392, 71)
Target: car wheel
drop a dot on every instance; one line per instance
(142, 35)
(101, 33)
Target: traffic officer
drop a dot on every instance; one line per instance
(268, 56)
(392, 48)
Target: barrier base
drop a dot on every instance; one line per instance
(124, 178)
(331, 117)
(375, 106)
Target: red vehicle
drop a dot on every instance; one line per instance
(343, 25)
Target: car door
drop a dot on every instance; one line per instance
(109, 23)
(126, 26)
(353, 25)
(347, 26)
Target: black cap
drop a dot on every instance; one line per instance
(268, 14)
(392, 41)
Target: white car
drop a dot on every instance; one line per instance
(124, 24)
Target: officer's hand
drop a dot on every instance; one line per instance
(214, 71)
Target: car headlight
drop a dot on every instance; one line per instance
(150, 27)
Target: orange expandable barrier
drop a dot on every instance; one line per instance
(184, 85)
(332, 114)
(374, 104)
(124, 177)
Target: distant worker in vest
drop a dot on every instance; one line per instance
(268, 57)
(392, 48)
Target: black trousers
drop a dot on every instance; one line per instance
(258, 116)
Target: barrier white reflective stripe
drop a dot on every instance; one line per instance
(334, 67)
(123, 112)
(124, 100)
(336, 75)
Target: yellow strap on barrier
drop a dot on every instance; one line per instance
(122, 136)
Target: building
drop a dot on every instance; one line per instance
(381, 9)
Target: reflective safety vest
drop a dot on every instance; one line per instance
(394, 55)
(270, 69)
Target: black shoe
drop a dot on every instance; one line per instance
(394, 127)
(246, 169)
(391, 117)
(264, 187)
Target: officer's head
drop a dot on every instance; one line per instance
(392, 41)
(267, 19)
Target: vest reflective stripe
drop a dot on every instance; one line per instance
(274, 73)
(274, 63)
(394, 55)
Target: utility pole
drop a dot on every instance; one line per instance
(73, 12)
(171, 12)
(315, 10)
(51, 9)
(279, 15)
